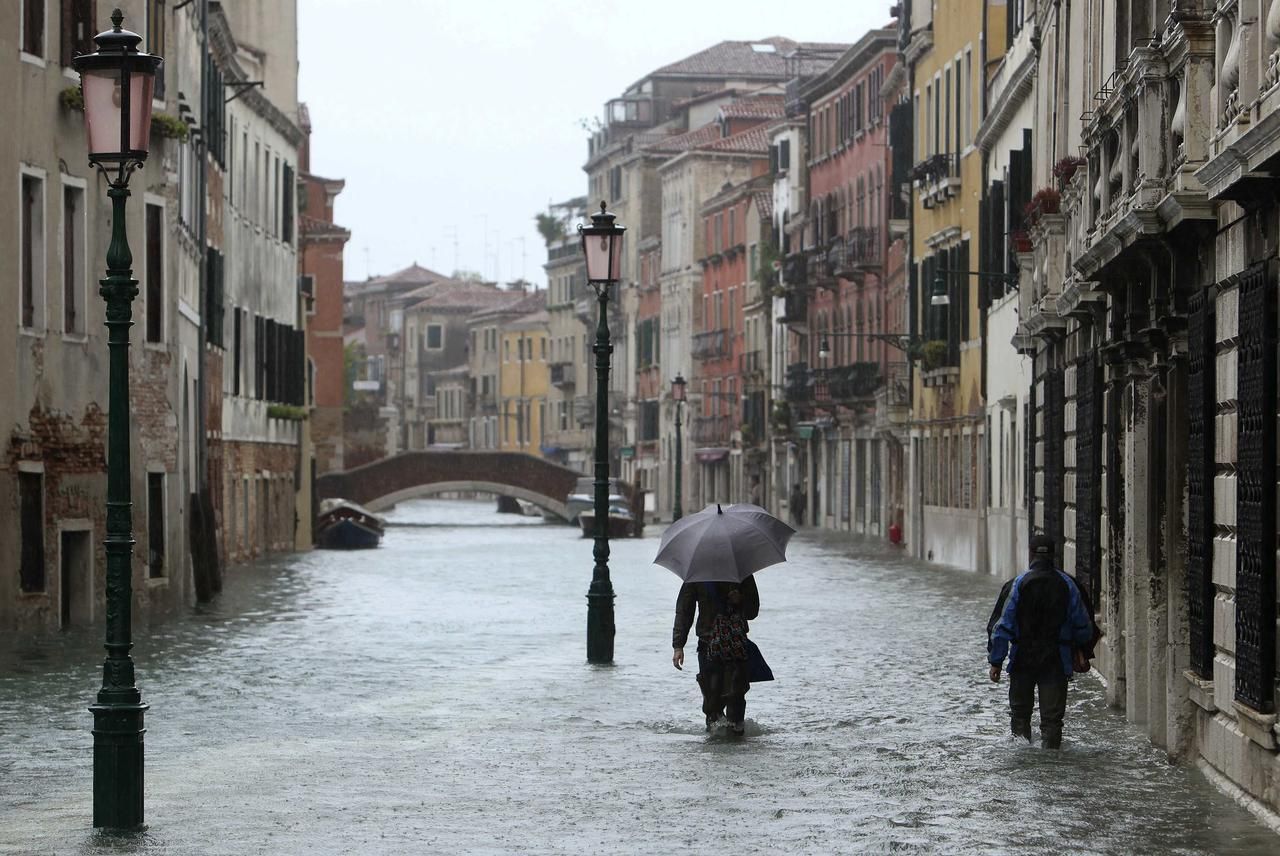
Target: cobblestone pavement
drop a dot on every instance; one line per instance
(431, 697)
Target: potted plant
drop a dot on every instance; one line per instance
(933, 355)
(1047, 200)
(1064, 169)
(1020, 240)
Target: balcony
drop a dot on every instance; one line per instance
(863, 249)
(798, 386)
(711, 345)
(563, 374)
(795, 307)
(856, 382)
(794, 271)
(486, 404)
(712, 430)
(937, 178)
(752, 362)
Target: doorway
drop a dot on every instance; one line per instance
(75, 589)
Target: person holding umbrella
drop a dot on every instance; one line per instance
(715, 553)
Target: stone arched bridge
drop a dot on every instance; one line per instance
(381, 484)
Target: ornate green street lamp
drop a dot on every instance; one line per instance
(678, 396)
(116, 82)
(602, 246)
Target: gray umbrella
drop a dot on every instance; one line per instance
(725, 544)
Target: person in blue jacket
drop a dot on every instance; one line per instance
(1044, 621)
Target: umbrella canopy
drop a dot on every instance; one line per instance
(725, 544)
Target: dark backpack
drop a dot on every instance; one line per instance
(1043, 597)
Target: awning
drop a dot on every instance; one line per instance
(710, 455)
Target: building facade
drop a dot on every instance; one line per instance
(946, 50)
(321, 244)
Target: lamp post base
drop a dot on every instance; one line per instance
(600, 626)
(118, 764)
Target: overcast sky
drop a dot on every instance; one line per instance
(463, 117)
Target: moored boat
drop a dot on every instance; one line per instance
(344, 525)
(621, 522)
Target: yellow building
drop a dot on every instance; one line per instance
(523, 382)
(947, 51)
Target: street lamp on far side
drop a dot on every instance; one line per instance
(678, 396)
(602, 246)
(116, 82)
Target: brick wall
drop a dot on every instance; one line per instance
(258, 499)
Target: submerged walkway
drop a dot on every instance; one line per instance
(432, 698)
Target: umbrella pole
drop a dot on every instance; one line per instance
(600, 597)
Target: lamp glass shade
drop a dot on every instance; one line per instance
(604, 255)
(824, 349)
(940, 300)
(677, 388)
(104, 113)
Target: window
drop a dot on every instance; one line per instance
(235, 365)
(155, 525)
(78, 17)
(968, 95)
(506, 358)
(156, 41)
(33, 253)
(435, 337)
(73, 263)
(31, 500)
(286, 213)
(155, 272)
(946, 122)
(277, 209)
(33, 29)
(732, 227)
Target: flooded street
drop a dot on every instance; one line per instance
(432, 697)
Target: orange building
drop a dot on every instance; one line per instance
(320, 253)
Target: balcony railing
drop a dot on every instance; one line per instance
(798, 385)
(847, 383)
(486, 403)
(862, 247)
(712, 429)
(937, 177)
(563, 374)
(711, 344)
(795, 307)
(794, 270)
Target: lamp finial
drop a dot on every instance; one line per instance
(117, 19)
(603, 206)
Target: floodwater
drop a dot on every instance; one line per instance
(432, 697)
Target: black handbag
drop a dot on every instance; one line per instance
(758, 670)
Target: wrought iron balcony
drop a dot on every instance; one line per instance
(799, 383)
(712, 344)
(863, 248)
(795, 270)
(937, 177)
(795, 307)
(712, 430)
(853, 382)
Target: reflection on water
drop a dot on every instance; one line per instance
(431, 696)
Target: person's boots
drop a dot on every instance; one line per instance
(1051, 737)
(1020, 728)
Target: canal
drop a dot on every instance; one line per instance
(432, 697)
